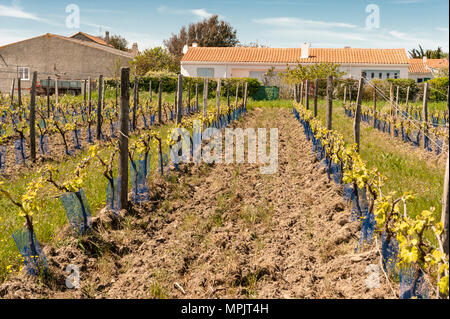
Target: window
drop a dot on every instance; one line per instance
(395, 75)
(419, 80)
(364, 74)
(205, 72)
(24, 73)
(372, 75)
(380, 75)
(426, 79)
(387, 75)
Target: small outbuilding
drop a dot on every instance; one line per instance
(58, 57)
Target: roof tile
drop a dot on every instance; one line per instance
(292, 55)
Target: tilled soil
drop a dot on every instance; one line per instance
(223, 231)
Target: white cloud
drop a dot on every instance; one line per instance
(442, 29)
(96, 26)
(296, 22)
(144, 40)
(202, 13)
(407, 1)
(14, 11)
(8, 36)
(292, 31)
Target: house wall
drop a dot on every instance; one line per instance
(243, 69)
(422, 76)
(50, 55)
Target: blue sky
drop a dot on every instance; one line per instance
(282, 23)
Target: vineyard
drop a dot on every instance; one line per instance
(96, 186)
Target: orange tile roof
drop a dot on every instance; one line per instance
(292, 55)
(93, 38)
(418, 66)
(437, 63)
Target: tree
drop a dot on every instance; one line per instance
(269, 77)
(210, 32)
(156, 59)
(252, 45)
(314, 71)
(117, 42)
(430, 54)
(417, 53)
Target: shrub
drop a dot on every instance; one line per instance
(438, 89)
(170, 84)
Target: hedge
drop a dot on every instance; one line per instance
(169, 85)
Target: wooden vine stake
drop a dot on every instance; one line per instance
(445, 208)
(307, 94)
(425, 111)
(301, 92)
(374, 104)
(205, 97)
(196, 97)
(345, 94)
(407, 100)
(357, 122)
(329, 113)
(12, 90)
(179, 105)
(316, 91)
(219, 83)
(295, 93)
(99, 107)
(19, 92)
(84, 91)
(391, 98)
(135, 102)
(56, 92)
(89, 97)
(189, 97)
(48, 97)
(33, 118)
(228, 93)
(397, 96)
(150, 92)
(160, 102)
(245, 95)
(123, 135)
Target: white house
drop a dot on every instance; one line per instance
(220, 62)
(421, 70)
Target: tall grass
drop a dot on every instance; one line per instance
(399, 162)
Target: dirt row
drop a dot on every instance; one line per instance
(222, 231)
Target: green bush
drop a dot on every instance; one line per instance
(438, 89)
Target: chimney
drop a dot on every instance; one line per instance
(425, 60)
(347, 47)
(107, 36)
(305, 50)
(195, 44)
(135, 49)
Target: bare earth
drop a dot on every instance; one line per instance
(222, 231)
